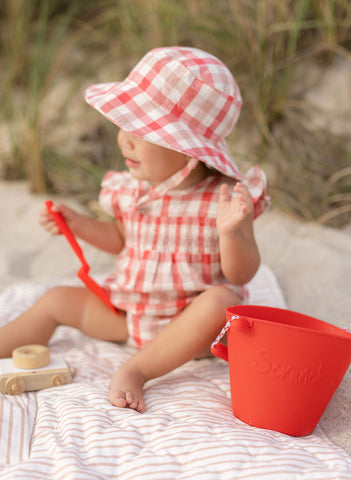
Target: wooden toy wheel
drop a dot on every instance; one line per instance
(31, 356)
(57, 380)
(14, 385)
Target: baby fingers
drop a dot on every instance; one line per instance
(46, 221)
(244, 197)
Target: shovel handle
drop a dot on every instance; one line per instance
(83, 273)
(66, 231)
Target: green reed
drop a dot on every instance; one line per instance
(44, 43)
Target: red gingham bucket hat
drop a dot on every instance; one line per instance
(180, 98)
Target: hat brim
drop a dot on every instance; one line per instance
(127, 106)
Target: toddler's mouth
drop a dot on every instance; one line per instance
(132, 163)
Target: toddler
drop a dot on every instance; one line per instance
(182, 225)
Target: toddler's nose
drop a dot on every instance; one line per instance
(125, 140)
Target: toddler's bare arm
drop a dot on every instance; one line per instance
(105, 235)
(240, 257)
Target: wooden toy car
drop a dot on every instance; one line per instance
(31, 368)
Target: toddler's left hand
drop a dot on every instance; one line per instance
(234, 209)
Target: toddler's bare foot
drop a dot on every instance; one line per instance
(126, 388)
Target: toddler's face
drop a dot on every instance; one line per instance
(147, 161)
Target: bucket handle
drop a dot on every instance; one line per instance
(219, 349)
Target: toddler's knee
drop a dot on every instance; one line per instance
(53, 300)
(218, 298)
(54, 294)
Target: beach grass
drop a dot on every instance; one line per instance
(51, 50)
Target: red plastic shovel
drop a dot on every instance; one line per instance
(83, 272)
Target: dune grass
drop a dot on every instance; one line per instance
(52, 49)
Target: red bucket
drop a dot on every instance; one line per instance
(284, 367)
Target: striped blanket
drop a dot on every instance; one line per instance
(72, 432)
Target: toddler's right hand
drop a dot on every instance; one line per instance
(46, 220)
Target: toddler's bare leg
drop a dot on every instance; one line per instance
(188, 336)
(73, 306)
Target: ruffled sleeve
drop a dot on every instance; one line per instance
(256, 182)
(112, 185)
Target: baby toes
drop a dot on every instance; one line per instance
(118, 399)
(134, 402)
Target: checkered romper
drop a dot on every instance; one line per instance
(171, 252)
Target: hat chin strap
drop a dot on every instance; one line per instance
(170, 183)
